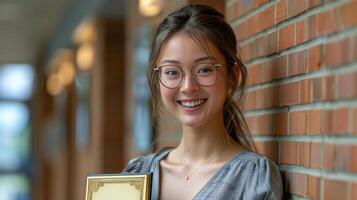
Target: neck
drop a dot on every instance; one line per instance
(202, 143)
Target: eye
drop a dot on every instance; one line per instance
(205, 69)
(170, 71)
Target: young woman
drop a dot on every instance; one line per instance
(195, 73)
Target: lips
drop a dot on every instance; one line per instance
(191, 103)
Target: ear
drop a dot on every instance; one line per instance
(235, 75)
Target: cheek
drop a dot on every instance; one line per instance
(167, 96)
(222, 85)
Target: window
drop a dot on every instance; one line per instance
(142, 116)
(83, 84)
(16, 82)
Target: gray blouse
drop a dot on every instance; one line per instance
(247, 176)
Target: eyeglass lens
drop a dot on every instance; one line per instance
(204, 74)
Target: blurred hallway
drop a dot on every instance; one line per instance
(73, 93)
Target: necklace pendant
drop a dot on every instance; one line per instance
(186, 178)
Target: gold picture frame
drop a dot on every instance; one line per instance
(118, 187)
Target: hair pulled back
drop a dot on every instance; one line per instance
(204, 23)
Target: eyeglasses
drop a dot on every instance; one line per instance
(171, 75)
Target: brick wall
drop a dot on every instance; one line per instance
(301, 103)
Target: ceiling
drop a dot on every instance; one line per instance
(27, 26)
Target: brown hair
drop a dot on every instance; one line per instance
(203, 22)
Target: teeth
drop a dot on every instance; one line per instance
(192, 103)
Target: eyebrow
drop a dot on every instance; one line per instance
(196, 60)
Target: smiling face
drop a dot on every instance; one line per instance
(194, 105)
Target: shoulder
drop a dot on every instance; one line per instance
(257, 161)
(142, 164)
(263, 177)
(135, 165)
(252, 159)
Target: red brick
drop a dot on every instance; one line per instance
(353, 194)
(321, 24)
(245, 52)
(266, 72)
(315, 26)
(232, 11)
(314, 58)
(297, 122)
(329, 83)
(244, 7)
(287, 37)
(313, 3)
(334, 189)
(313, 187)
(264, 125)
(256, 23)
(272, 43)
(241, 30)
(297, 63)
(250, 101)
(267, 98)
(335, 121)
(252, 48)
(296, 7)
(328, 19)
(354, 48)
(323, 88)
(289, 153)
(260, 45)
(297, 183)
(266, 18)
(329, 156)
(315, 155)
(257, 48)
(317, 92)
(280, 121)
(280, 11)
(348, 15)
(304, 154)
(336, 53)
(252, 75)
(301, 31)
(346, 159)
(258, 3)
(279, 67)
(354, 121)
(305, 91)
(313, 122)
(269, 149)
(343, 157)
(352, 158)
(289, 94)
(251, 25)
(347, 85)
(330, 89)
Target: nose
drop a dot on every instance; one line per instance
(188, 85)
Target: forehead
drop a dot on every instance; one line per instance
(186, 49)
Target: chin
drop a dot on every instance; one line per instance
(193, 123)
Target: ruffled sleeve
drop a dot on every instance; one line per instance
(134, 166)
(266, 182)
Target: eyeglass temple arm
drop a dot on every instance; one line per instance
(216, 65)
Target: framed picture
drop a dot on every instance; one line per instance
(116, 187)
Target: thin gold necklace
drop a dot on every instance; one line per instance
(187, 175)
